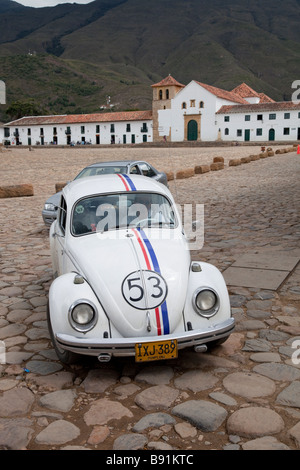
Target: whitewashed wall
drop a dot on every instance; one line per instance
(2, 92)
(89, 134)
(171, 121)
(237, 122)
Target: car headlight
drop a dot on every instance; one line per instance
(206, 302)
(49, 207)
(82, 315)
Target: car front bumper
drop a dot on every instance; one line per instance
(126, 346)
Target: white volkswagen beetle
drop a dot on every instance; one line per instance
(124, 282)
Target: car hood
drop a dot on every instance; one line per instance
(54, 199)
(140, 282)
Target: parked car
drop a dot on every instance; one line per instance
(133, 167)
(124, 282)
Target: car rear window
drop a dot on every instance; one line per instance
(103, 170)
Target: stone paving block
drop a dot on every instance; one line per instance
(264, 270)
(203, 414)
(249, 277)
(279, 261)
(57, 433)
(265, 443)
(255, 422)
(15, 433)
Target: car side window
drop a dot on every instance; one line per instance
(134, 170)
(146, 170)
(62, 216)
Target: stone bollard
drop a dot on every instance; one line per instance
(235, 162)
(217, 166)
(170, 175)
(253, 158)
(245, 160)
(59, 186)
(18, 190)
(181, 174)
(218, 160)
(200, 169)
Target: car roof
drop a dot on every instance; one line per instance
(113, 163)
(103, 184)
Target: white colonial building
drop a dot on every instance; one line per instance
(107, 128)
(259, 122)
(195, 112)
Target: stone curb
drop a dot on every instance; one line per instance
(18, 190)
(218, 163)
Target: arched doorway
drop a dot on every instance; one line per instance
(271, 134)
(192, 133)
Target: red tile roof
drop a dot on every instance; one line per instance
(260, 107)
(265, 98)
(245, 91)
(168, 81)
(82, 118)
(224, 94)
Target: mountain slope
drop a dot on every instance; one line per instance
(120, 47)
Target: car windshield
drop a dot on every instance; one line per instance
(114, 211)
(101, 170)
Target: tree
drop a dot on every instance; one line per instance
(18, 109)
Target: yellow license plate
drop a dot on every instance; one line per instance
(156, 350)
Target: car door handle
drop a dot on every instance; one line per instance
(55, 234)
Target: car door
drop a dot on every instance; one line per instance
(58, 239)
(147, 170)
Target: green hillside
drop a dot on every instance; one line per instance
(69, 58)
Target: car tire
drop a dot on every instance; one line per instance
(66, 357)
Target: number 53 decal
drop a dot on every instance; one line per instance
(146, 291)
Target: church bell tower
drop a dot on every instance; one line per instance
(163, 93)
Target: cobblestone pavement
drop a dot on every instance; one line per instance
(243, 395)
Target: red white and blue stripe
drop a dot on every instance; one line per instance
(127, 181)
(161, 312)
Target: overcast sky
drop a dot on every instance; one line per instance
(48, 3)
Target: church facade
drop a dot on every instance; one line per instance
(180, 113)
